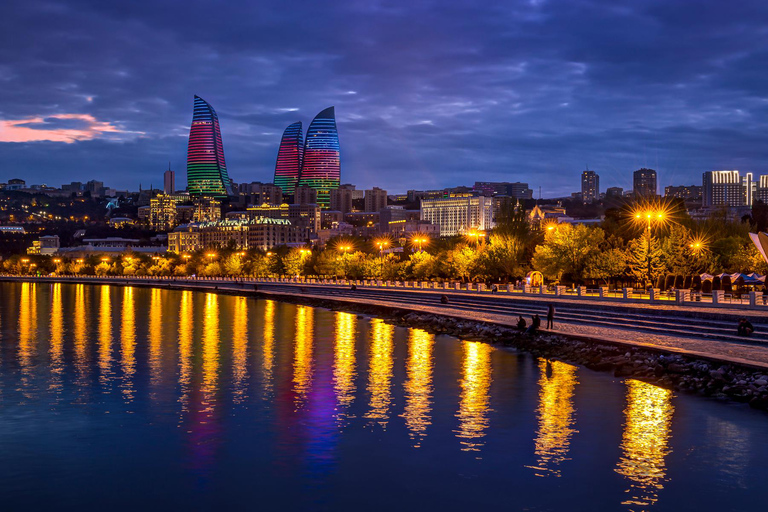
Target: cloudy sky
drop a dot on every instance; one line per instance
(427, 93)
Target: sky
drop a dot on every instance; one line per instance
(428, 94)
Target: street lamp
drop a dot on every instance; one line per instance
(211, 255)
(650, 216)
(420, 240)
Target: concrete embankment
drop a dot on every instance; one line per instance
(708, 372)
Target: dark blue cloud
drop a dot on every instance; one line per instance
(427, 94)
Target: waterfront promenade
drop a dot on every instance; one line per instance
(690, 328)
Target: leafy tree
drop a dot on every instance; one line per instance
(607, 264)
(566, 251)
(234, 265)
(422, 265)
(461, 261)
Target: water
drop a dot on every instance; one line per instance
(136, 399)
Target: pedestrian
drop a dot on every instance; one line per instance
(745, 327)
(353, 287)
(444, 299)
(551, 316)
(535, 324)
(494, 289)
(520, 323)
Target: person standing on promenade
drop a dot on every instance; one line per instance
(551, 317)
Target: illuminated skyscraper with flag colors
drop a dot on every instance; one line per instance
(321, 164)
(206, 169)
(289, 156)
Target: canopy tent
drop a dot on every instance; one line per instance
(752, 279)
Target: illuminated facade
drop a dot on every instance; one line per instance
(206, 169)
(321, 163)
(458, 215)
(288, 165)
(260, 233)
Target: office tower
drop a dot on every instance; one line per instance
(590, 186)
(723, 188)
(289, 156)
(206, 168)
(644, 182)
(321, 164)
(169, 181)
(375, 199)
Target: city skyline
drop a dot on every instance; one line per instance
(519, 92)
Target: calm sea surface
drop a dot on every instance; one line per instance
(135, 399)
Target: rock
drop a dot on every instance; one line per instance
(677, 368)
(761, 382)
(623, 371)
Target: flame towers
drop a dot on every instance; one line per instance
(206, 169)
(321, 164)
(289, 156)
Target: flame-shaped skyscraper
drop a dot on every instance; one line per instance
(206, 168)
(289, 156)
(321, 163)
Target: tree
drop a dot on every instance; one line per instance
(566, 251)
(645, 258)
(461, 262)
(234, 265)
(293, 263)
(607, 264)
(421, 265)
(502, 257)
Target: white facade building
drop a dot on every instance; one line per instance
(458, 215)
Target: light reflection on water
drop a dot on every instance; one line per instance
(305, 390)
(555, 413)
(380, 372)
(474, 404)
(645, 444)
(418, 386)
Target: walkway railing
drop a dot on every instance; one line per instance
(717, 298)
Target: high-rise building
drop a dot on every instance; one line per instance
(375, 199)
(644, 182)
(289, 156)
(761, 194)
(590, 186)
(162, 212)
(270, 193)
(169, 181)
(341, 198)
(723, 188)
(690, 193)
(321, 163)
(206, 168)
(305, 195)
(459, 215)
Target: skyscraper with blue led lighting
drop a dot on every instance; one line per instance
(206, 168)
(321, 163)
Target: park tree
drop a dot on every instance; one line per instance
(460, 262)
(645, 259)
(566, 251)
(605, 265)
(421, 265)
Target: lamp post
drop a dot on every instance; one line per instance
(344, 249)
(421, 240)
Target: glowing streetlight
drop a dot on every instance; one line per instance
(25, 260)
(211, 255)
(475, 236)
(186, 257)
(420, 240)
(57, 260)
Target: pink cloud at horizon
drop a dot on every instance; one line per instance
(22, 130)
